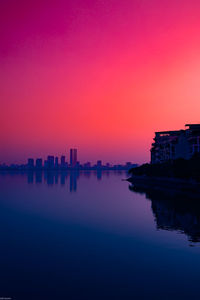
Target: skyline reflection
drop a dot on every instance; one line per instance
(62, 178)
(171, 210)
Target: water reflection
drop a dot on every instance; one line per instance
(82, 232)
(73, 180)
(69, 178)
(174, 210)
(54, 177)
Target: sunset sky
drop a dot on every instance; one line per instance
(99, 75)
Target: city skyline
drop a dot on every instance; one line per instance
(62, 163)
(100, 149)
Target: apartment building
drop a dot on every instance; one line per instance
(170, 145)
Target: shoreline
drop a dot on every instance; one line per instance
(162, 183)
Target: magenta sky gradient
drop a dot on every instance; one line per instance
(101, 76)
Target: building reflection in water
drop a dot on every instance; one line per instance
(99, 174)
(38, 176)
(73, 180)
(64, 177)
(174, 210)
(30, 176)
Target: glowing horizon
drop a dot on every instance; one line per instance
(100, 76)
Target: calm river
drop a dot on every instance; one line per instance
(90, 235)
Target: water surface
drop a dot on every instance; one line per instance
(90, 235)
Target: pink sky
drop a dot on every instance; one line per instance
(101, 76)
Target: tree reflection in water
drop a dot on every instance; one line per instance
(174, 210)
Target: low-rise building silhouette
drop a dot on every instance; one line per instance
(30, 163)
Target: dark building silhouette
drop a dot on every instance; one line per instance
(99, 164)
(50, 162)
(62, 161)
(56, 162)
(87, 165)
(45, 164)
(30, 163)
(73, 157)
(170, 145)
(38, 163)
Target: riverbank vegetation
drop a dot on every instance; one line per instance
(179, 168)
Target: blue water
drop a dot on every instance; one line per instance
(89, 236)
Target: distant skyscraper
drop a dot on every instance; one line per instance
(73, 157)
(99, 163)
(62, 160)
(56, 162)
(38, 163)
(50, 160)
(30, 163)
(45, 164)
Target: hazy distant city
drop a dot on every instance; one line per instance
(55, 163)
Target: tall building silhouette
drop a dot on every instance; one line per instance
(62, 160)
(50, 160)
(73, 157)
(99, 163)
(56, 162)
(38, 163)
(30, 163)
